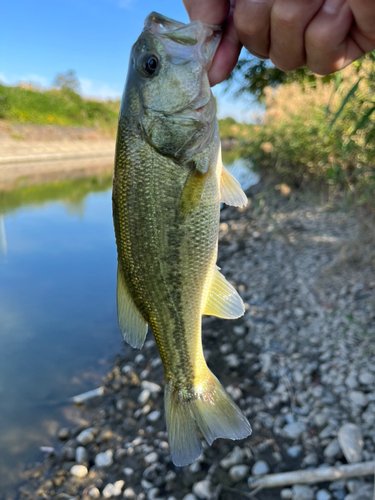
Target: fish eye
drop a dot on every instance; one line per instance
(150, 64)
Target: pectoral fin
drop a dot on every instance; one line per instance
(132, 324)
(230, 190)
(223, 300)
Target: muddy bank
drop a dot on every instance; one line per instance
(299, 364)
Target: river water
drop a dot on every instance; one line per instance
(58, 325)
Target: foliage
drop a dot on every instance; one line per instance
(230, 129)
(55, 107)
(67, 81)
(321, 134)
(254, 76)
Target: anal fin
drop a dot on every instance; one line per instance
(132, 324)
(230, 190)
(223, 300)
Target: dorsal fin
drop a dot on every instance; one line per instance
(230, 190)
(223, 300)
(132, 324)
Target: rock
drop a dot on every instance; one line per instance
(154, 416)
(294, 451)
(202, 489)
(69, 450)
(153, 494)
(311, 459)
(150, 386)
(351, 442)
(358, 398)
(104, 435)
(79, 471)
(104, 459)
(366, 378)
(238, 472)
(144, 396)
(320, 419)
(232, 360)
(190, 496)
(151, 458)
(286, 494)
(333, 449)
(129, 494)
(81, 455)
(260, 468)
(113, 490)
(323, 495)
(94, 493)
(235, 457)
(301, 492)
(294, 430)
(120, 454)
(351, 381)
(63, 434)
(86, 437)
(128, 472)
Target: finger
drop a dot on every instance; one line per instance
(252, 22)
(289, 20)
(328, 46)
(226, 55)
(363, 32)
(208, 11)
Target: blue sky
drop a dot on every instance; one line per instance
(41, 38)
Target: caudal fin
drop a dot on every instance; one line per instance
(211, 408)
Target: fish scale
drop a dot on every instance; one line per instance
(168, 184)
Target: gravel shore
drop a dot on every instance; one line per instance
(299, 363)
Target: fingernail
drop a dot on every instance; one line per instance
(332, 6)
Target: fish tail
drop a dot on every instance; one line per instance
(210, 408)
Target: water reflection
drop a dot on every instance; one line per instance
(58, 325)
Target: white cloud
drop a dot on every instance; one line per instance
(99, 90)
(28, 77)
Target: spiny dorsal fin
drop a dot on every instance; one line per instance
(223, 300)
(132, 324)
(230, 190)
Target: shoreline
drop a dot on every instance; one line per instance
(298, 363)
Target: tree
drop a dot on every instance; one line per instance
(67, 81)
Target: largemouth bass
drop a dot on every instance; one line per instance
(168, 183)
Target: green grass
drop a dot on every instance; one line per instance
(55, 107)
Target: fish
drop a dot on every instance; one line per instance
(168, 184)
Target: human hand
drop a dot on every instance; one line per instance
(324, 35)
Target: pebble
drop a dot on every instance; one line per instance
(301, 492)
(351, 442)
(235, 457)
(128, 472)
(333, 449)
(79, 471)
(154, 416)
(150, 386)
(94, 493)
(286, 494)
(63, 434)
(238, 472)
(113, 490)
(104, 459)
(202, 489)
(294, 451)
(190, 496)
(358, 397)
(260, 468)
(294, 430)
(86, 437)
(81, 455)
(129, 494)
(144, 396)
(151, 458)
(366, 378)
(323, 495)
